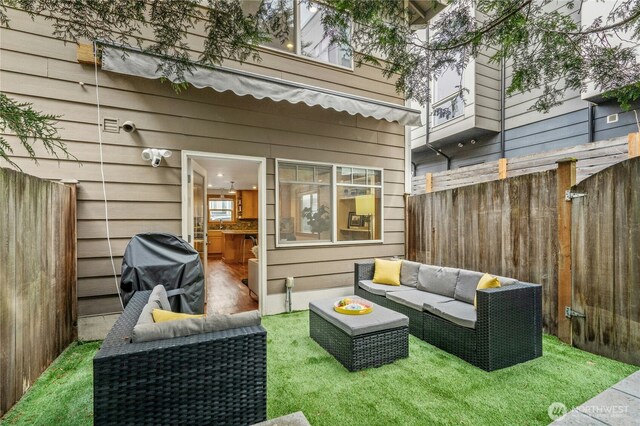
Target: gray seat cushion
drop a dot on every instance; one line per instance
(409, 273)
(461, 313)
(381, 289)
(354, 325)
(466, 285)
(159, 294)
(416, 298)
(437, 279)
(186, 327)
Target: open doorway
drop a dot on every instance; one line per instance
(223, 218)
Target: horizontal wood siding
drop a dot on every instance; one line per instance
(44, 71)
(38, 306)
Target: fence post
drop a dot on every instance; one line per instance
(428, 182)
(502, 168)
(566, 178)
(634, 145)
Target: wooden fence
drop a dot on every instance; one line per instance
(37, 278)
(606, 262)
(593, 158)
(584, 251)
(504, 227)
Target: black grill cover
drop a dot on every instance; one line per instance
(158, 258)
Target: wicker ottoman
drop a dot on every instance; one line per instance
(359, 341)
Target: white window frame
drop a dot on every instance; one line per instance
(334, 207)
(298, 46)
(448, 98)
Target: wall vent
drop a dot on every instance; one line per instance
(612, 118)
(111, 125)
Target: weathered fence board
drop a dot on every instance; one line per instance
(37, 278)
(593, 157)
(510, 227)
(506, 227)
(606, 263)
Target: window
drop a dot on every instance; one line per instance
(305, 211)
(446, 96)
(307, 214)
(359, 194)
(304, 32)
(314, 44)
(221, 209)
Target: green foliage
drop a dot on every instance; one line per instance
(318, 220)
(29, 126)
(542, 44)
(545, 48)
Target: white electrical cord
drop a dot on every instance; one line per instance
(104, 186)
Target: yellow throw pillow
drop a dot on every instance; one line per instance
(387, 272)
(160, 315)
(487, 281)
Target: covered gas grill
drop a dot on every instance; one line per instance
(159, 258)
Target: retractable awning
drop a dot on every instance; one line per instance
(242, 83)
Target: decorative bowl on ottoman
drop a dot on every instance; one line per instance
(353, 306)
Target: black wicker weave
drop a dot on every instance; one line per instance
(214, 378)
(363, 351)
(508, 326)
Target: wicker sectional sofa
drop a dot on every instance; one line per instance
(218, 377)
(504, 330)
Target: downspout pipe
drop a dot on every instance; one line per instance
(590, 123)
(439, 152)
(503, 90)
(427, 129)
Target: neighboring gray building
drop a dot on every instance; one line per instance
(489, 126)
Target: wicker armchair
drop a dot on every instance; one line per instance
(508, 328)
(212, 378)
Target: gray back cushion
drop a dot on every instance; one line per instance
(186, 327)
(466, 285)
(506, 281)
(159, 294)
(146, 316)
(409, 273)
(438, 280)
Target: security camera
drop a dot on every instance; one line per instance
(155, 155)
(129, 126)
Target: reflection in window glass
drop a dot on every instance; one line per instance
(450, 109)
(313, 41)
(447, 84)
(304, 203)
(286, 41)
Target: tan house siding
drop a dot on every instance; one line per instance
(37, 68)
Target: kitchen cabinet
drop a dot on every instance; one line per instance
(248, 205)
(232, 245)
(215, 242)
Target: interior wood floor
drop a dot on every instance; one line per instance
(226, 294)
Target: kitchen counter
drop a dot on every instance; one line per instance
(240, 231)
(233, 242)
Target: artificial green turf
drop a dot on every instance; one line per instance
(63, 394)
(429, 387)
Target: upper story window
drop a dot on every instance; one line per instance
(305, 33)
(446, 96)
